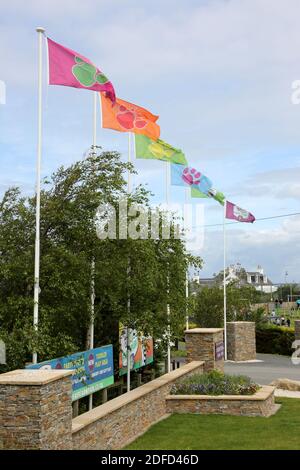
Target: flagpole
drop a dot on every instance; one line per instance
(168, 280)
(40, 32)
(187, 297)
(187, 193)
(129, 161)
(92, 305)
(224, 281)
(128, 269)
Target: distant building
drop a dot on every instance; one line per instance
(235, 272)
(260, 281)
(204, 281)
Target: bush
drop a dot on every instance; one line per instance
(215, 383)
(208, 305)
(275, 340)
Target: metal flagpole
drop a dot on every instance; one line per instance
(128, 270)
(224, 281)
(129, 161)
(40, 32)
(168, 280)
(92, 305)
(187, 275)
(187, 296)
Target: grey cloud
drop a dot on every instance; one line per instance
(282, 184)
(276, 249)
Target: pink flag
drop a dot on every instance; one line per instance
(68, 68)
(236, 213)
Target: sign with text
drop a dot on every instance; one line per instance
(93, 370)
(219, 351)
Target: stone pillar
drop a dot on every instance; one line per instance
(206, 344)
(36, 409)
(297, 329)
(241, 345)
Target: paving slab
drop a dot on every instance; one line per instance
(279, 392)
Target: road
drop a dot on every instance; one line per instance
(273, 367)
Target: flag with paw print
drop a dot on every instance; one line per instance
(68, 68)
(184, 175)
(123, 116)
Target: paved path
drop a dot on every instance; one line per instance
(279, 392)
(273, 367)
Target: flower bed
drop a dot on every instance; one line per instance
(215, 383)
(216, 393)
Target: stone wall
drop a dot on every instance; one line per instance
(201, 345)
(259, 404)
(36, 404)
(297, 329)
(35, 409)
(121, 420)
(241, 344)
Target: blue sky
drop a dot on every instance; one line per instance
(219, 74)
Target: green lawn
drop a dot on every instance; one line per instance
(215, 432)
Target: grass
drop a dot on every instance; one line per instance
(216, 432)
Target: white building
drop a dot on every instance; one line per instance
(260, 281)
(235, 272)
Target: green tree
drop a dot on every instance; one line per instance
(240, 273)
(208, 305)
(69, 200)
(285, 291)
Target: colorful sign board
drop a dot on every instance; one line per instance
(141, 350)
(93, 370)
(219, 351)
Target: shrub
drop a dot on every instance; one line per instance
(273, 339)
(215, 383)
(208, 305)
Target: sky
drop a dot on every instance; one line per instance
(219, 74)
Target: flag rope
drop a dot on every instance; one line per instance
(256, 220)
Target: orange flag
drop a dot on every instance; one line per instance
(127, 117)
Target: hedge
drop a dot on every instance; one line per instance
(275, 340)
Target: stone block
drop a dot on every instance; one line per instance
(205, 344)
(241, 345)
(36, 409)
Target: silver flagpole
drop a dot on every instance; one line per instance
(92, 305)
(168, 280)
(224, 281)
(187, 193)
(40, 32)
(128, 270)
(187, 296)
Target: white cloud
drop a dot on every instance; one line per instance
(276, 248)
(282, 184)
(218, 72)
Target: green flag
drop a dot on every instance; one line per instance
(159, 150)
(217, 195)
(196, 193)
(213, 193)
